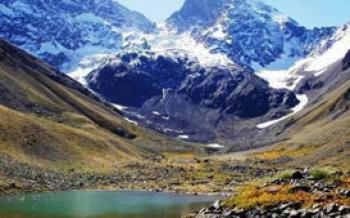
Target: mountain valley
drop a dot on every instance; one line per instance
(229, 97)
(181, 53)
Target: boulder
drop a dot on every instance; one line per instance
(297, 175)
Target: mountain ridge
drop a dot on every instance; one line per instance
(263, 39)
(214, 92)
(249, 32)
(51, 117)
(282, 103)
(73, 29)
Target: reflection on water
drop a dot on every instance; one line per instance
(101, 205)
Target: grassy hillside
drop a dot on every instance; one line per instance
(320, 135)
(50, 121)
(56, 135)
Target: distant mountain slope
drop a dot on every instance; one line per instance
(63, 32)
(48, 119)
(182, 64)
(249, 32)
(320, 134)
(200, 63)
(319, 72)
(178, 96)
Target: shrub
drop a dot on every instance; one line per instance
(319, 174)
(285, 175)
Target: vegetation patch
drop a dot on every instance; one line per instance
(318, 186)
(287, 151)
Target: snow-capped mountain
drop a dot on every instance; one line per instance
(239, 36)
(213, 70)
(249, 32)
(63, 32)
(321, 71)
(162, 41)
(327, 53)
(179, 96)
(327, 67)
(323, 58)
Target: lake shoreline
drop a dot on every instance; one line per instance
(209, 194)
(121, 204)
(219, 178)
(195, 177)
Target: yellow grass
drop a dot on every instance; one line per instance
(252, 195)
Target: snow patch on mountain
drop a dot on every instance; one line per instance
(283, 79)
(215, 146)
(89, 17)
(329, 52)
(219, 32)
(89, 64)
(326, 55)
(62, 33)
(183, 137)
(167, 42)
(120, 107)
(249, 32)
(163, 42)
(280, 79)
(303, 102)
(131, 121)
(280, 18)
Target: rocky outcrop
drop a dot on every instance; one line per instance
(314, 184)
(309, 83)
(346, 61)
(287, 210)
(177, 93)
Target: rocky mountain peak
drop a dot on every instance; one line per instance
(249, 32)
(196, 13)
(204, 12)
(206, 65)
(63, 32)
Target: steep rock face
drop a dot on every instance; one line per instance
(249, 32)
(346, 61)
(196, 12)
(62, 32)
(178, 96)
(325, 68)
(138, 78)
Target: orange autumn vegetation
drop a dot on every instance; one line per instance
(251, 195)
(286, 151)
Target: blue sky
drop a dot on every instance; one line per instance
(310, 13)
